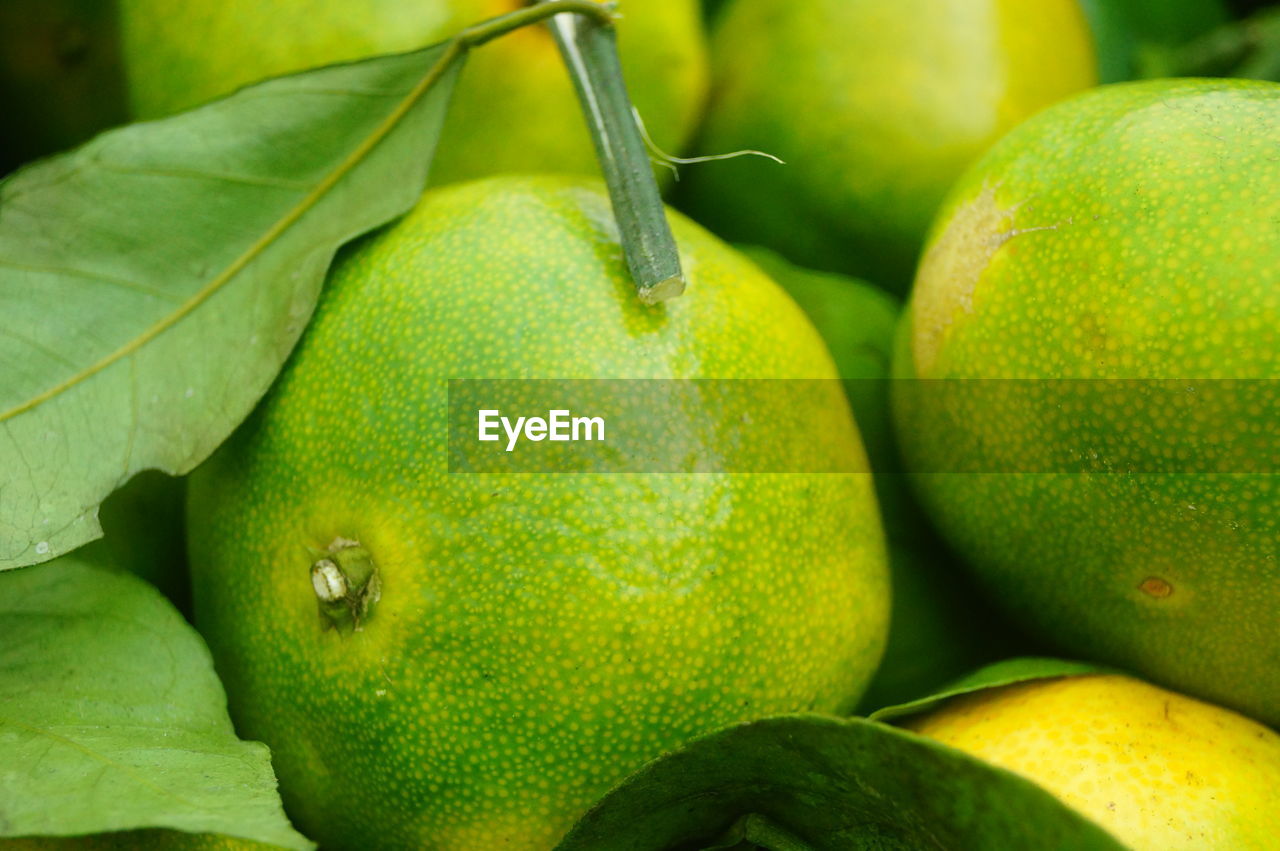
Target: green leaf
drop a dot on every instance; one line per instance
(111, 717)
(831, 784)
(756, 831)
(995, 675)
(153, 281)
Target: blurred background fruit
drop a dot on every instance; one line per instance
(940, 626)
(1140, 38)
(1161, 771)
(1118, 253)
(876, 106)
(514, 108)
(60, 77)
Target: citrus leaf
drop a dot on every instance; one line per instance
(831, 784)
(111, 716)
(153, 281)
(755, 831)
(995, 675)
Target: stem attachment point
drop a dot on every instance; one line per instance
(346, 584)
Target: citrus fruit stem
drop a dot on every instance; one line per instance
(590, 51)
(588, 44)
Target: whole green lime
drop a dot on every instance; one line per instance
(514, 108)
(876, 106)
(526, 640)
(1117, 255)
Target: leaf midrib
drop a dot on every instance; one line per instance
(448, 54)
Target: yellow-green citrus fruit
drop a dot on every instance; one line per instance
(514, 108)
(537, 636)
(876, 106)
(1119, 253)
(1161, 771)
(940, 627)
(857, 321)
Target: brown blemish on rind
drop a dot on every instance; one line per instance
(1154, 586)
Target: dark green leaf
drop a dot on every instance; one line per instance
(111, 717)
(757, 831)
(999, 674)
(834, 785)
(153, 281)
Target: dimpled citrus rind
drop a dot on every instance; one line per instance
(1159, 770)
(1125, 235)
(538, 636)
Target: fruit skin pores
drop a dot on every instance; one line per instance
(1117, 254)
(493, 652)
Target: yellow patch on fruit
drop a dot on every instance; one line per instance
(954, 264)
(1161, 771)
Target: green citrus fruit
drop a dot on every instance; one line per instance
(534, 637)
(939, 627)
(514, 108)
(1123, 246)
(876, 106)
(1161, 771)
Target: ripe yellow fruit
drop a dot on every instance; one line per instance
(1161, 771)
(535, 637)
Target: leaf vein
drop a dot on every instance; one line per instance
(33, 343)
(193, 174)
(450, 54)
(123, 283)
(100, 757)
